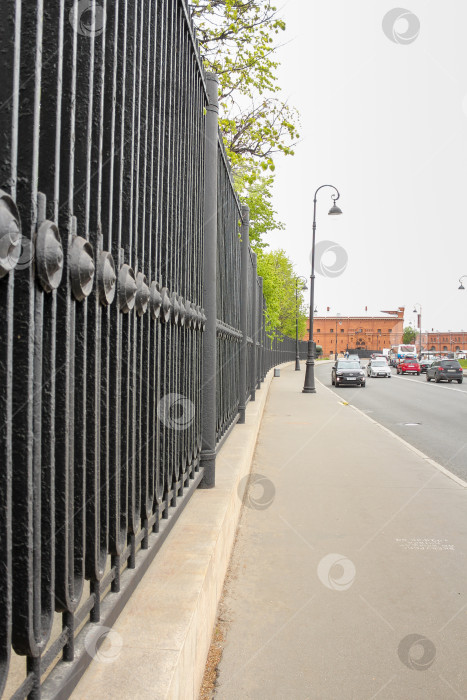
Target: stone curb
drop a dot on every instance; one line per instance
(165, 630)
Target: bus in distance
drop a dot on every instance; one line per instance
(401, 351)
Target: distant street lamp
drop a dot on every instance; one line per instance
(309, 386)
(302, 281)
(419, 321)
(461, 286)
(340, 324)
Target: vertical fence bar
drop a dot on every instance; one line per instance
(245, 261)
(208, 454)
(260, 322)
(10, 40)
(254, 327)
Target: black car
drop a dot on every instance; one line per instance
(347, 372)
(425, 365)
(445, 370)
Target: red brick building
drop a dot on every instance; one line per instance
(444, 341)
(372, 333)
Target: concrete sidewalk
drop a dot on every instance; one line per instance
(349, 574)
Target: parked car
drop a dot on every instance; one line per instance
(347, 372)
(408, 365)
(354, 357)
(378, 368)
(445, 370)
(425, 364)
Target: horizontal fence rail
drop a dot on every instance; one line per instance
(132, 324)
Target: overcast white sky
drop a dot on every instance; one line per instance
(387, 124)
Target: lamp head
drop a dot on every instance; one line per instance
(461, 286)
(334, 210)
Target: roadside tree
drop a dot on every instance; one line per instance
(409, 335)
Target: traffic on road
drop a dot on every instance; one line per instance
(351, 371)
(429, 412)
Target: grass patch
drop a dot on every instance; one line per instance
(463, 364)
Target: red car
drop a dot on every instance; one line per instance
(408, 365)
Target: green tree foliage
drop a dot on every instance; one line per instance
(237, 39)
(279, 291)
(258, 196)
(409, 335)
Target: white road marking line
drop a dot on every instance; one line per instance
(449, 388)
(418, 452)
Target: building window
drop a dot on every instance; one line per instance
(342, 330)
(332, 330)
(318, 330)
(379, 330)
(445, 347)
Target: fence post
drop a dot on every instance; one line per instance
(260, 333)
(208, 453)
(244, 311)
(254, 328)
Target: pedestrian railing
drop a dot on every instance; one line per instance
(132, 328)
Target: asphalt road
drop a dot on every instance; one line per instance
(431, 417)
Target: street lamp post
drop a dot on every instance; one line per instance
(419, 322)
(309, 386)
(302, 280)
(340, 324)
(461, 286)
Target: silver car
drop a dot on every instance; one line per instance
(378, 368)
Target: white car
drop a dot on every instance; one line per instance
(378, 368)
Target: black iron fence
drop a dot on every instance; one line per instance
(131, 316)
